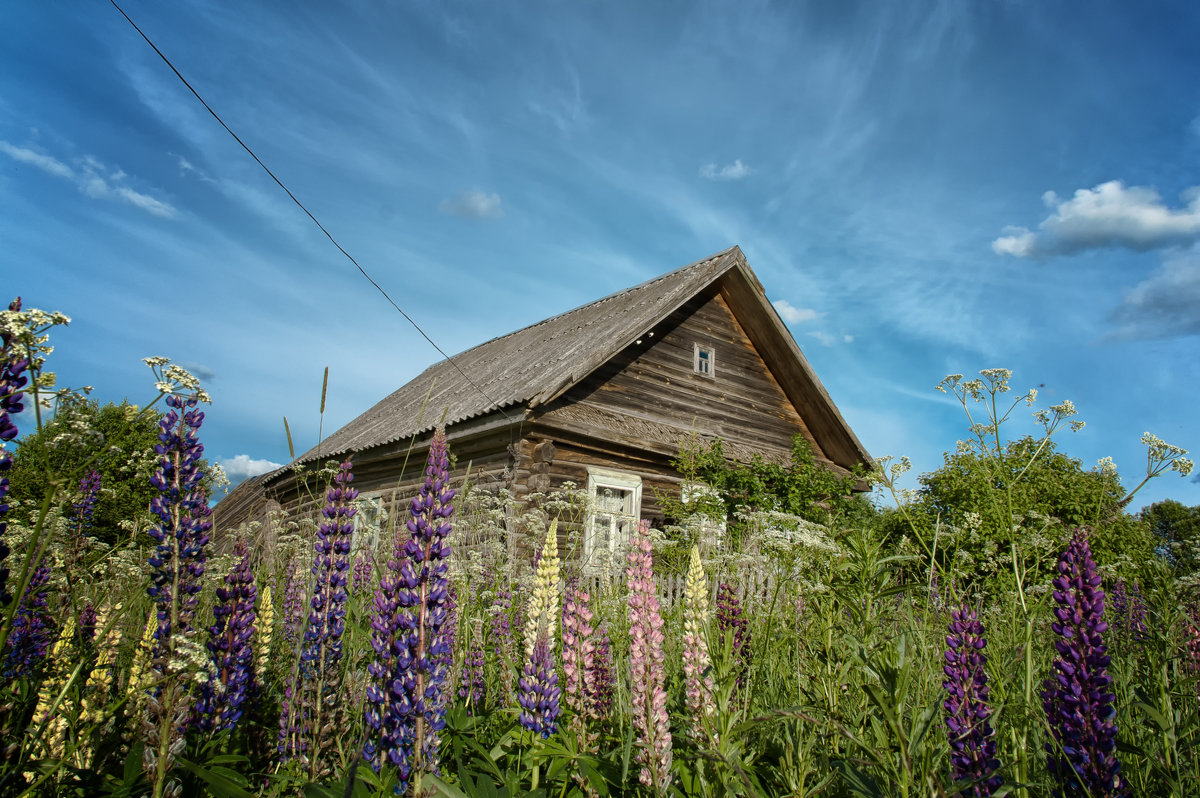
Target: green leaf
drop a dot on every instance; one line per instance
(222, 782)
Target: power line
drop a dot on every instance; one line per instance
(307, 213)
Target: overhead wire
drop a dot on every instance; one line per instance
(300, 205)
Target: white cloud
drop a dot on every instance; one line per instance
(1110, 214)
(1166, 304)
(847, 339)
(90, 178)
(43, 162)
(734, 171)
(145, 202)
(793, 315)
(825, 338)
(473, 204)
(242, 466)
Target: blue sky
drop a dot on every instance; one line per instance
(929, 187)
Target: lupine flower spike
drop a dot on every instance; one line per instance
(31, 633)
(405, 706)
(603, 676)
(697, 665)
(177, 565)
(543, 604)
(647, 666)
(1078, 698)
(968, 724)
(315, 704)
(734, 631)
(537, 689)
(230, 648)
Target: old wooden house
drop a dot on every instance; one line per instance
(601, 396)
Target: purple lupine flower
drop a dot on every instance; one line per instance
(405, 707)
(968, 724)
(87, 624)
(293, 736)
(471, 686)
(85, 506)
(647, 666)
(176, 567)
(293, 603)
(12, 383)
(1129, 610)
(182, 511)
(230, 648)
(733, 631)
(537, 690)
(30, 636)
(364, 569)
(603, 679)
(1078, 699)
(321, 648)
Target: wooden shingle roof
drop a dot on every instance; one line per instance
(536, 364)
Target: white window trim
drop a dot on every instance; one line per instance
(600, 479)
(697, 348)
(357, 542)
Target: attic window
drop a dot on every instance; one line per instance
(704, 360)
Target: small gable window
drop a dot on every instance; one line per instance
(704, 360)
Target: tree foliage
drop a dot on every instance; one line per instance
(1175, 528)
(117, 440)
(800, 486)
(1031, 492)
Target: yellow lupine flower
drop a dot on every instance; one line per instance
(100, 682)
(54, 726)
(543, 605)
(263, 632)
(135, 690)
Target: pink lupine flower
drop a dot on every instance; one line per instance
(647, 666)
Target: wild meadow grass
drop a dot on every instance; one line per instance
(875, 654)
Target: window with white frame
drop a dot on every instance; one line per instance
(368, 522)
(704, 359)
(615, 505)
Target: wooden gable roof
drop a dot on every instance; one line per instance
(532, 366)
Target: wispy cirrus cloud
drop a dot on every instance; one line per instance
(1109, 215)
(791, 314)
(473, 204)
(733, 171)
(93, 178)
(44, 162)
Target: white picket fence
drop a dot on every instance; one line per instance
(749, 587)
